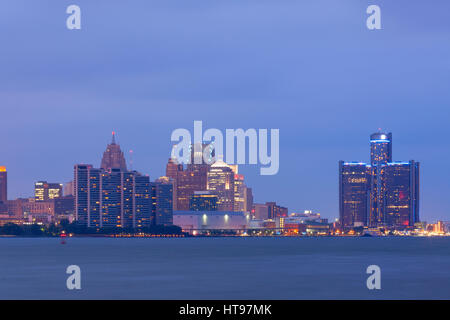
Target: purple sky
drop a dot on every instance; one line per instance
(310, 68)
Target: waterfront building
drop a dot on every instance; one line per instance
(162, 201)
(401, 198)
(201, 222)
(380, 194)
(112, 198)
(354, 186)
(87, 190)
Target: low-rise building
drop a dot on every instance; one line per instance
(199, 222)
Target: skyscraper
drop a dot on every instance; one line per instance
(172, 170)
(3, 185)
(162, 201)
(354, 186)
(112, 198)
(113, 157)
(384, 193)
(87, 189)
(193, 178)
(111, 204)
(401, 201)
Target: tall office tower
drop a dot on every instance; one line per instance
(380, 148)
(382, 194)
(44, 191)
(172, 170)
(113, 157)
(3, 185)
(354, 186)
(401, 204)
(380, 155)
(187, 183)
(239, 192)
(221, 182)
(142, 201)
(203, 201)
(248, 204)
(194, 178)
(162, 201)
(87, 189)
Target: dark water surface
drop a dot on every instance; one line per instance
(225, 268)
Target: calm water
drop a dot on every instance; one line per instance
(225, 268)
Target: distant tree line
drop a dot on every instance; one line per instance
(54, 230)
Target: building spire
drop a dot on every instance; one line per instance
(113, 157)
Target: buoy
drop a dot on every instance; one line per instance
(63, 236)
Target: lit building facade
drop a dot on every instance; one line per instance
(199, 222)
(44, 191)
(87, 189)
(221, 182)
(354, 186)
(112, 198)
(401, 200)
(193, 178)
(203, 201)
(276, 211)
(239, 193)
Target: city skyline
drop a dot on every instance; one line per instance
(114, 154)
(63, 91)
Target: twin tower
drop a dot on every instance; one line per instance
(380, 194)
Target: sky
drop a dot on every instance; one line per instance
(309, 68)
